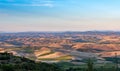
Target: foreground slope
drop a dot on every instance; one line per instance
(8, 62)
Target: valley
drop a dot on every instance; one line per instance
(52, 47)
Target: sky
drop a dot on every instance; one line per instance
(59, 15)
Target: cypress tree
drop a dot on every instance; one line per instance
(90, 65)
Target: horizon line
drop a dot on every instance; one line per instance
(61, 31)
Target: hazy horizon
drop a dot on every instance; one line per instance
(59, 31)
(59, 15)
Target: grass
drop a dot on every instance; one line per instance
(46, 53)
(67, 66)
(67, 57)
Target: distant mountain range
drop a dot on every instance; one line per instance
(67, 32)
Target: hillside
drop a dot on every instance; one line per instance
(72, 47)
(8, 62)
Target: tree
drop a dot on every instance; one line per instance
(90, 65)
(116, 61)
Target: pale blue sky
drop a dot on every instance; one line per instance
(59, 15)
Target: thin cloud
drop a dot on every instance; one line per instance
(46, 3)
